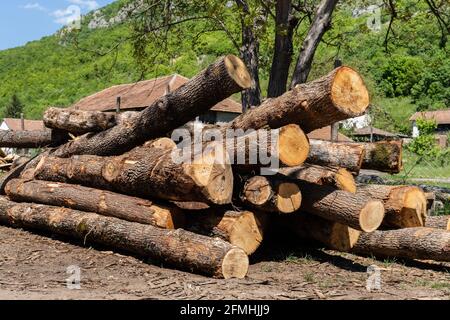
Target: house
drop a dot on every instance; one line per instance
(325, 134)
(20, 125)
(371, 134)
(139, 95)
(442, 118)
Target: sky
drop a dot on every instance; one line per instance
(22, 21)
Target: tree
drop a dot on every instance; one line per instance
(14, 109)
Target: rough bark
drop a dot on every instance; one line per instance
(250, 55)
(81, 122)
(336, 154)
(148, 173)
(438, 222)
(410, 243)
(339, 178)
(405, 206)
(31, 139)
(354, 210)
(220, 80)
(271, 194)
(331, 234)
(285, 24)
(385, 156)
(320, 25)
(178, 248)
(241, 229)
(93, 200)
(337, 96)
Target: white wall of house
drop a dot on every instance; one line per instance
(5, 127)
(415, 130)
(358, 122)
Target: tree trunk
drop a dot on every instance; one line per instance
(334, 235)
(242, 229)
(81, 122)
(31, 139)
(339, 178)
(321, 23)
(385, 156)
(409, 243)
(177, 248)
(337, 96)
(336, 154)
(405, 206)
(438, 222)
(148, 173)
(353, 210)
(93, 200)
(220, 80)
(284, 49)
(250, 54)
(271, 194)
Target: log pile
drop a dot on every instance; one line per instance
(206, 205)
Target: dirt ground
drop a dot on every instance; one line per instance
(34, 267)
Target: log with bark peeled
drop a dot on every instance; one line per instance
(410, 243)
(219, 81)
(336, 154)
(178, 248)
(31, 139)
(149, 173)
(354, 210)
(385, 156)
(339, 178)
(271, 194)
(93, 200)
(405, 206)
(334, 235)
(337, 96)
(438, 222)
(242, 229)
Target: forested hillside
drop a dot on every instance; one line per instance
(407, 68)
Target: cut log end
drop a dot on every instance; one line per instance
(414, 209)
(343, 238)
(371, 216)
(289, 198)
(345, 180)
(293, 145)
(247, 233)
(212, 171)
(349, 92)
(257, 190)
(235, 264)
(238, 71)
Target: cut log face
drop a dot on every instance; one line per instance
(410, 243)
(219, 81)
(148, 173)
(385, 156)
(271, 194)
(293, 145)
(334, 235)
(177, 248)
(241, 229)
(336, 154)
(438, 222)
(337, 96)
(339, 178)
(354, 210)
(94, 200)
(405, 206)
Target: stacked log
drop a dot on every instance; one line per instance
(205, 207)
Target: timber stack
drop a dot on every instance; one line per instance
(204, 205)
